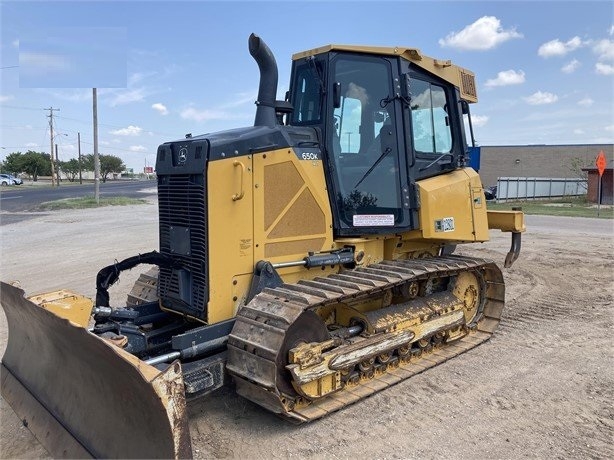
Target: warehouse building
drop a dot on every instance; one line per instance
(547, 161)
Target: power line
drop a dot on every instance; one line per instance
(24, 127)
(113, 126)
(117, 148)
(21, 108)
(87, 122)
(82, 121)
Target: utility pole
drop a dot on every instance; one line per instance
(50, 116)
(79, 147)
(96, 157)
(57, 163)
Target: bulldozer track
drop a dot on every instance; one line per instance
(145, 288)
(255, 342)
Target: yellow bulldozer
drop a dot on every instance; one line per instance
(307, 260)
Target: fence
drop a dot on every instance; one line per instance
(521, 188)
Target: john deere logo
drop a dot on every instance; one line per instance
(183, 155)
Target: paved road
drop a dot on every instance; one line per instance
(16, 201)
(560, 224)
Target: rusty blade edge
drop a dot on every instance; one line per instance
(111, 403)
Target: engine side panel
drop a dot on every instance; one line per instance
(231, 257)
(453, 207)
(292, 210)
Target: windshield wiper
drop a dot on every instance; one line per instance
(436, 160)
(381, 157)
(314, 70)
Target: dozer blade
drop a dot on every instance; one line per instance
(83, 397)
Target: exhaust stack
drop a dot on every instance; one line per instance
(267, 91)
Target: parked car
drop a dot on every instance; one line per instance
(9, 179)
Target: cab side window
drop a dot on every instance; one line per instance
(431, 130)
(307, 96)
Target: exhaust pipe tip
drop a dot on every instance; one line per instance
(267, 90)
(254, 44)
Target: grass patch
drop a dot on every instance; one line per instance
(88, 202)
(571, 207)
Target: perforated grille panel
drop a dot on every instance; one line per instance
(468, 89)
(183, 215)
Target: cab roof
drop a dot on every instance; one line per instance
(460, 77)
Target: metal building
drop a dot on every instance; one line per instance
(552, 161)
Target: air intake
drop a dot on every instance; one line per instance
(468, 89)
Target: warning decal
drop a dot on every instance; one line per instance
(373, 220)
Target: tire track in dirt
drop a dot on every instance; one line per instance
(554, 298)
(542, 387)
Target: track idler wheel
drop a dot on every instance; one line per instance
(307, 328)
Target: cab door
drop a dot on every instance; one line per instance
(368, 171)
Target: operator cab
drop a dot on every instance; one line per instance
(386, 123)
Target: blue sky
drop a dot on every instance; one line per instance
(545, 70)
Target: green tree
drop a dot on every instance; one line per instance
(87, 162)
(13, 163)
(33, 163)
(575, 166)
(110, 164)
(70, 168)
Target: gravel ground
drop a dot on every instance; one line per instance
(542, 387)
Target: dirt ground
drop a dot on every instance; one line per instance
(541, 388)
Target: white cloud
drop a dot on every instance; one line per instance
(203, 115)
(571, 66)
(541, 98)
(35, 63)
(126, 97)
(505, 78)
(611, 31)
(601, 140)
(479, 120)
(137, 148)
(71, 95)
(15, 43)
(5, 98)
(484, 34)
(609, 128)
(559, 48)
(31, 144)
(160, 108)
(604, 49)
(578, 131)
(134, 92)
(586, 102)
(129, 131)
(604, 69)
(241, 99)
(138, 77)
